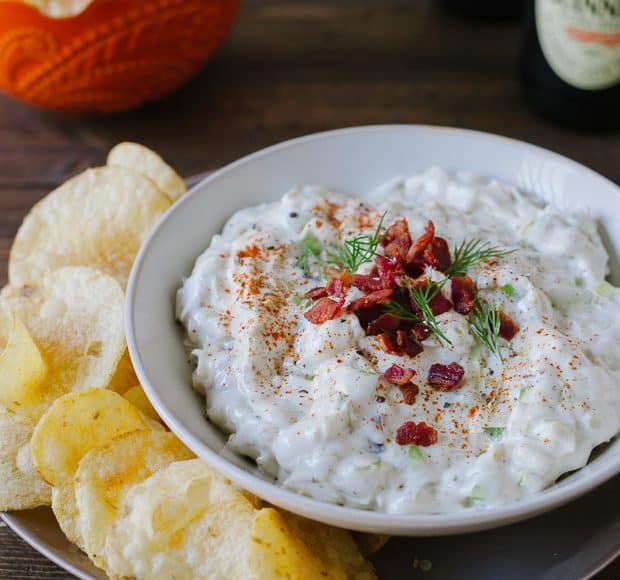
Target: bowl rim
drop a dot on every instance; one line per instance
(353, 518)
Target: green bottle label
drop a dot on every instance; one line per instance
(581, 40)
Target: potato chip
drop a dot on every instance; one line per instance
(369, 543)
(75, 316)
(21, 487)
(106, 473)
(185, 521)
(288, 546)
(146, 162)
(66, 511)
(125, 377)
(98, 219)
(77, 423)
(23, 388)
(136, 397)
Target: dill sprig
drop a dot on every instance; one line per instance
(310, 254)
(484, 324)
(400, 311)
(470, 252)
(422, 297)
(358, 250)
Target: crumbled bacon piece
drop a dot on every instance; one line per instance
(387, 344)
(420, 331)
(437, 254)
(440, 304)
(323, 310)
(381, 324)
(407, 344)
(445, 377)
(336, 287)
(507, 326)
(421, 434)
(409, 393)
(397, 240)
(398, 375)
(463, 294)
(388, 270)
(370, 300)
(316, 293)
(417, 249)
(367, 283)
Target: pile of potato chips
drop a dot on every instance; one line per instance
(77, 431)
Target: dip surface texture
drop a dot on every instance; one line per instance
(308, 400)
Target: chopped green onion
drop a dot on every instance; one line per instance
(508, 290)
(494, 432)
(310, 253)
(415, 453)
(475, 497)
(579, 282)
(604, 289)
(524, 390)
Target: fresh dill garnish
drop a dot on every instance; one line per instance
(422, 297)
(470, 252)
(310, 253)
(358, 250)
(484, 324)
(400, 311)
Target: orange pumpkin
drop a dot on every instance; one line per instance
(113, 56)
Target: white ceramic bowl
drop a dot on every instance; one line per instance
(352, 160)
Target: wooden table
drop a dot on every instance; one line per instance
(292, 67)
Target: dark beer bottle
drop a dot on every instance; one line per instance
(570, 61)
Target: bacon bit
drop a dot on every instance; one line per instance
(463, 294)
(336, 287)
(417, 434)
(420, 331)
(381, 324)
(409, 393)
(437, 254)
(407, 344)
(367, 283)
(388, 269)
(387, 344)
(398, 375)
(323, 310)
(445, 377)
(315, 293)
(440, 304)
(507, 326)
(370, 300)
(417, 249)
(397, 240)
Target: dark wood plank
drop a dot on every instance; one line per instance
(290, 68)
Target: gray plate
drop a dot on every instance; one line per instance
(573, 542)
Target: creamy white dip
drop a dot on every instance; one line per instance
(308, 401)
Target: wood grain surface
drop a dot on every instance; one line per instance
(290, 68)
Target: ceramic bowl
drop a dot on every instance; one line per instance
(112, 56)
(351, 160)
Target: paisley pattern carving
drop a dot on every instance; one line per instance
(136, 56)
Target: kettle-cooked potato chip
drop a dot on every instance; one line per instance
(65, 509)
(21, 487)
(106, 473)
(23, 388)
(77, 423)
(75, 317)
(186, 521)
(369, 544)
(136, 396)
(288, 546)
(124, 377)
(143, 160)
(97, 219)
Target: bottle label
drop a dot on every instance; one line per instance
(581, 40)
